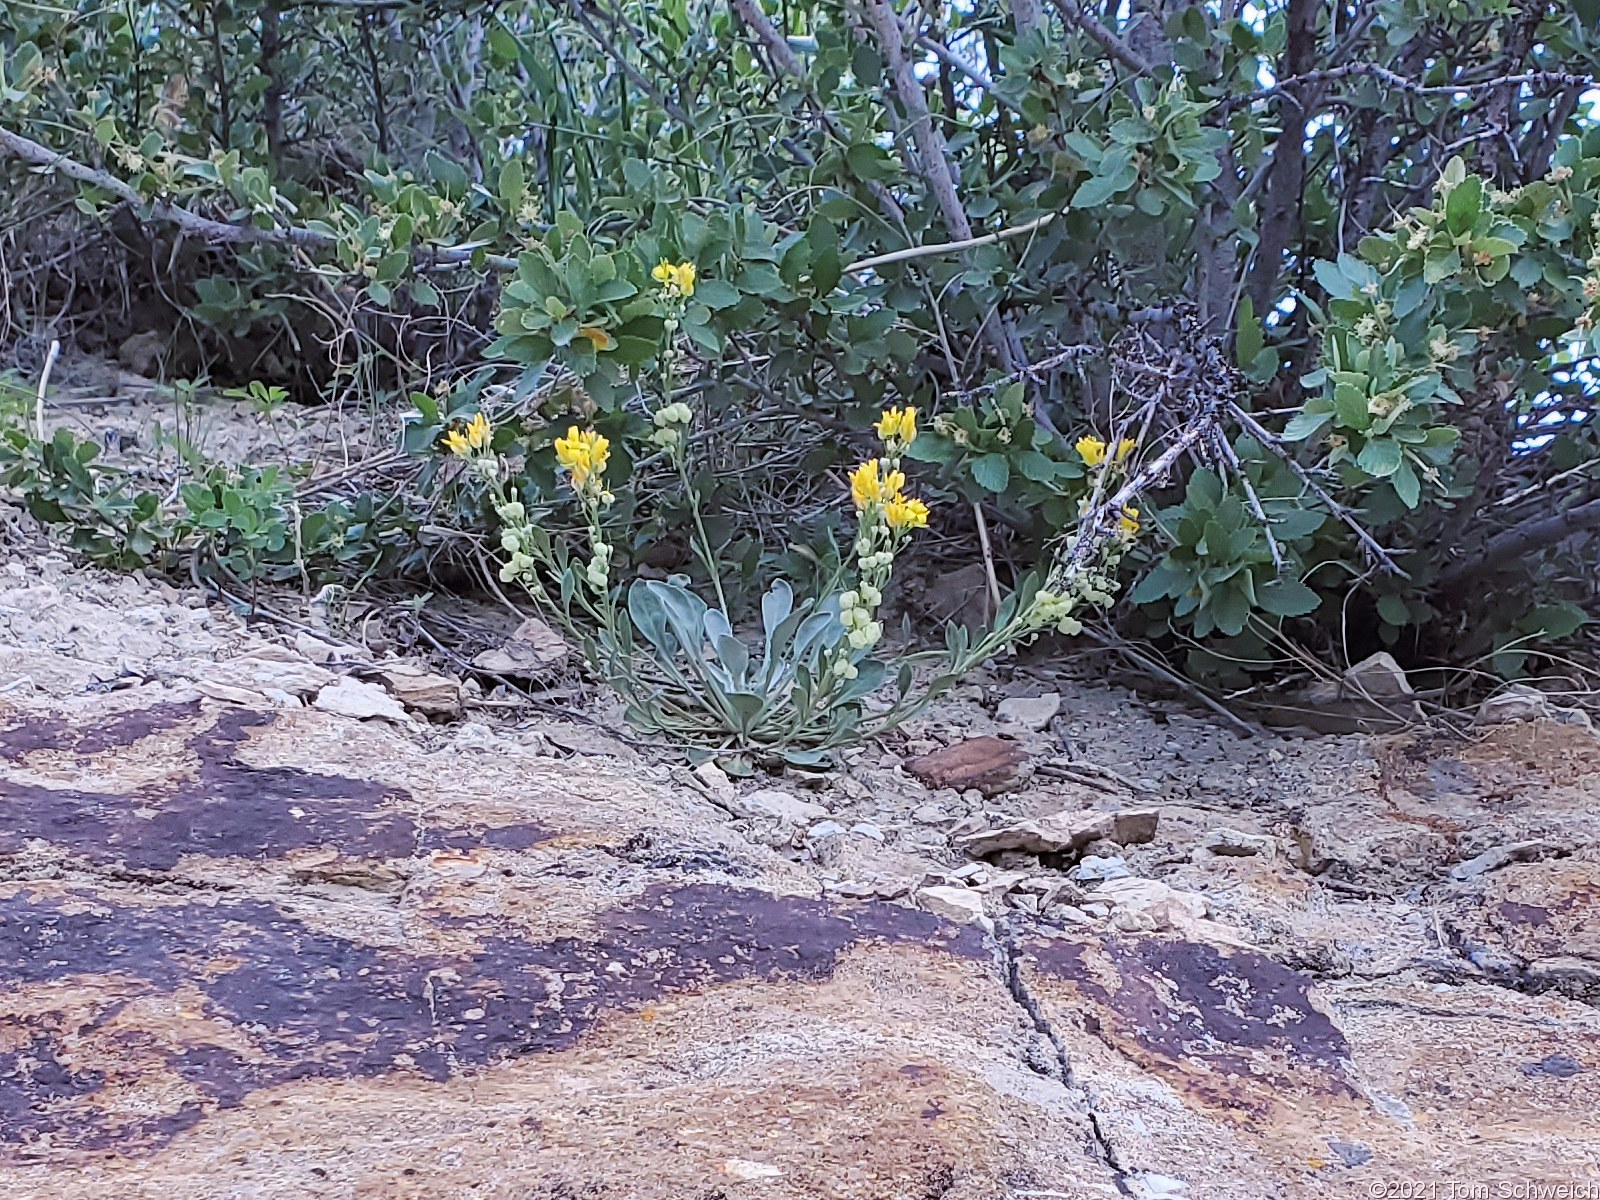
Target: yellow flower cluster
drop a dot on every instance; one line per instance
(474, 439)
(583, 455)
(898, 427)
(869, 485)
(1093, 451)
(906, 512)
(676, 278)
(1128, 522)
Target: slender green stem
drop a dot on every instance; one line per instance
(703, 546)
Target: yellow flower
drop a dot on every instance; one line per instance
(676, 278)
(1126, 447)
(583, 454)
(474, 438)
(898, 425)
(1092, 450)
(598, 338)
(1129, 521)
(905, 512)
(866, 487)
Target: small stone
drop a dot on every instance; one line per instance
(717, 783)
(1352, 1154)
(1394, 1108)
(1377, 676)
(1158, 904)
(968, 825)
(1134, 826)
(1064, 832)
(989, 764)
(1231, 843)
(433, 695)
(243, 697)
(826, 829)
(1028, 712)
(929, 814)
(533, 651)
(1557, 1066)
(770, 804)
(353, 698)
(1153, 1185)
(1519, 702)
(748, 1172)
(961, 905)
(869, 889)
(1092, 868)
(867, 830)
(1500, 856)
(1002, 882)
(265, 669)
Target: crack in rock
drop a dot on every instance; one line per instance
(1010, 955)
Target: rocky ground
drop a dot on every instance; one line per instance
(256, 944)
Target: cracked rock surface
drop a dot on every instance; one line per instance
(252, 948)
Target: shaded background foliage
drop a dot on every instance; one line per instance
(1383, 212)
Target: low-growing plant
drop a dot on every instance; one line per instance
(242, 521)
(807, 687)
(61, 482)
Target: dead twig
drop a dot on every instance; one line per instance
(44, 382)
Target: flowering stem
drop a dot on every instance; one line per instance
(680, 454)
(703, 541)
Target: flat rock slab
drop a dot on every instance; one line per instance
(253, 954)
(1225, 1069)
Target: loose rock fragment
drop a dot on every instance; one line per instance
(1231, 843)
(1093, 868)
(1519, 702)
(961, 905)
(1377, 676)
(263, 670)
(1500, 856)
(715, 780)
(1064, 832)
(769, 804)
(533, 652)
(1029, 712)
(434, 695)
(353, 698)
(990, 764)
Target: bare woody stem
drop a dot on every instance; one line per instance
(218, 233)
